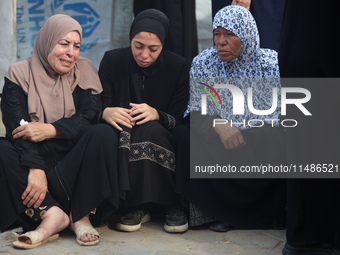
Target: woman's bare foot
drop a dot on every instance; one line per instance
(86, 238)
(53, 221)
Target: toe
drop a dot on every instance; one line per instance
(88, 238)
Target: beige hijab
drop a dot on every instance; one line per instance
(49, 93)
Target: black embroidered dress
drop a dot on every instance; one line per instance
(146, 154)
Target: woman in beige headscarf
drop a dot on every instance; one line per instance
(56, 166)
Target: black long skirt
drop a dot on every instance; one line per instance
(313, 211)
(147, 165)
(242, 203)
(88, 173)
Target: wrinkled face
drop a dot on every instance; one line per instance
(228, 45)
(64, 55)
(146, 48)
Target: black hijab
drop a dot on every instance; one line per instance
(152, 21)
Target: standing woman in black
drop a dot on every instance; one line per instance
(145, 93)
(313, 205)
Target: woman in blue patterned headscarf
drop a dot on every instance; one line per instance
(252, 62)
(235, 59)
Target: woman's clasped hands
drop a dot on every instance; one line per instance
(138, 114)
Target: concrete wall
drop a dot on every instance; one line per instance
(204, 24)
(8, 37)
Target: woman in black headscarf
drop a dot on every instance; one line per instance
(145, 92)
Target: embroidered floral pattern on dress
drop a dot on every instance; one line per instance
(124, 139)
(171, 121)
(153, 152)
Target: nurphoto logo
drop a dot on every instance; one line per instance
(239, 102)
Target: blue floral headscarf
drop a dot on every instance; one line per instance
(253, 62)
(239, 20)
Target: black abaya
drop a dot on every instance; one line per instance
(146, 156)
(313, 210)
(81, 171)
(242, 203)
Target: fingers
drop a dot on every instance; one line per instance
(143, 113)
(114, 124)
(36, 189)
(24, 195)
(33, 131)
(34, 199)
(18, 132)
(30, 199)
(139, 112)
(241, 141)
(232, 138)
(139, 108)
(140, 119)
(124, 122)
(41, 198)
(117, 116)
(237, 143)
(231, 144)
(136, 109)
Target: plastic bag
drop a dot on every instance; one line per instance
(11, 234)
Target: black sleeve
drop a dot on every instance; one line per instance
(105, 79)
(202, 124)
(179, 101)
(88, 107)
(14, 108)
